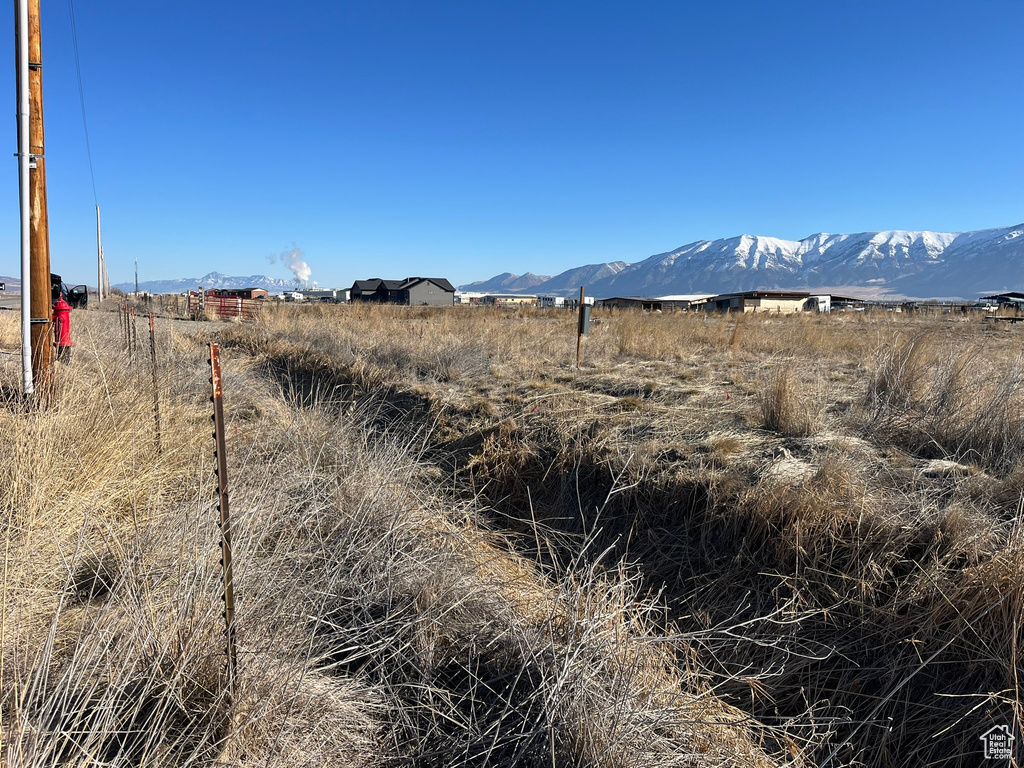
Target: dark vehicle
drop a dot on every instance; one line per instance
(77, 297)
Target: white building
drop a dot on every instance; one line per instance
(551, 301)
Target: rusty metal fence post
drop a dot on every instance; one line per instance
(122, 311)
(133, 338)
(228, 595)
(156, 387)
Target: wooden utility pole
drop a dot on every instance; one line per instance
(41, 299)
(24, 201)
(99, 258)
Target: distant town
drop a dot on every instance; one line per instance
(439, 292)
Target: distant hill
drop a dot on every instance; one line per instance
(13, 283)
(571, 280)
(506, 282)
(894, 263)
(212, 280)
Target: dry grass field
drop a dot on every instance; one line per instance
(723, 541)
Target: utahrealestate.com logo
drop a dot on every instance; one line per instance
(998, 743)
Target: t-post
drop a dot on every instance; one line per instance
(227, 570)
(579, 330)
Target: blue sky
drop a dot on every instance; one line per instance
(463, 139)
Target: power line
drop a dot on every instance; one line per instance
(81, 99)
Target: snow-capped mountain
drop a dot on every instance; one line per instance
(212, 280)
(567, 281)
(572, 279)
(897, 263)
(506, 282)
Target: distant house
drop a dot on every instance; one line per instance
(333, 295)
(468, 298)
(676, 302)
(426, 292)
(557, 302)
(840, 303)
(375, 289)
(645, 303)
(509, 300)
(685, 301)
(413, 291)
(780, 302)
(1010, 299)
(361, 290)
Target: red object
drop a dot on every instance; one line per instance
(62, 323)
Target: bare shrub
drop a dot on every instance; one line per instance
(900, 372)
(784, 407)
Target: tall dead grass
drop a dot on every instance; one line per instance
(822, 580)
(785, 408)
(946, 399)
(611, 566)
(380, 622)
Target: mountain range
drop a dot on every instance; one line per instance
(212, 280)
(892, 264)
(873, 264)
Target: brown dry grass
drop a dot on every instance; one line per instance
(785, 408)
(719, 542)
(382, 620)
(832, 580)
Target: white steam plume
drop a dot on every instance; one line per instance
(294, 261)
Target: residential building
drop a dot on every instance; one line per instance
(1010, 300)
(556, 302)
(509, 300)
(673, 303)
(468, 298)
(779, 302)
(413, 291)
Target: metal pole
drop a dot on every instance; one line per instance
(41, 298)
(133, 336)
(579, 330)
(123, 311)
(156, 389)
(21, 43)
(221, 455)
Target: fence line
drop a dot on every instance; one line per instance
(225, 306)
